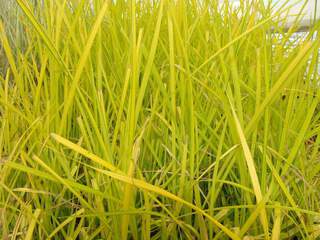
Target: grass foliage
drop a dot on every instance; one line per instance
(158, 120)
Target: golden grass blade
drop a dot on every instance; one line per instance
(276, 230)
(294, 65)
(253, 173)
(42, 33)
(6, 46)
(82, 62)
(84, 152)
(36, 214)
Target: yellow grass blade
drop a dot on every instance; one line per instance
(253, 173)
(36, 214)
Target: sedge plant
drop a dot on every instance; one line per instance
(158, 120)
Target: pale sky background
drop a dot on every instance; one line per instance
(308, 13)
(309, 9)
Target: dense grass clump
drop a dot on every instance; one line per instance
(158, 120)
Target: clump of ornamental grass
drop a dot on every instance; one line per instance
(158, 120)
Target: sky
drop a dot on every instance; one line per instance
(308, 13)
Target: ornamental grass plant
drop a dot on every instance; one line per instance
(158, 120)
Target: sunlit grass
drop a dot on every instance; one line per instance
(158, 120)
